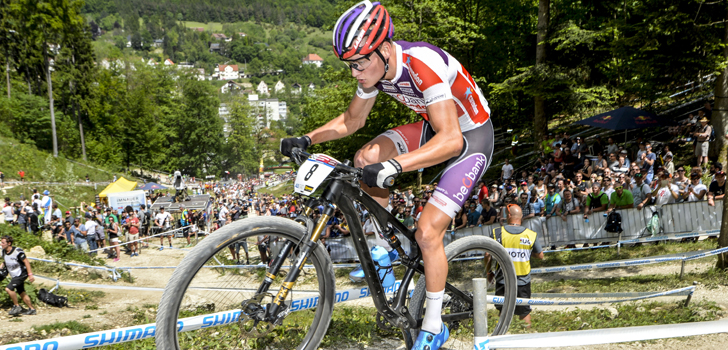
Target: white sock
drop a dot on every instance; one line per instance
(433, 320)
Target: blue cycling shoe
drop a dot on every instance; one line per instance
(429, 341)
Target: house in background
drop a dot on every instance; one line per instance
(227, 71)
(215, 47)
(158, 42)
(262, 88)
(242, 35)
(200, 73)
(279, 87)
(313, 58)
(220, 36)
(296, 88)
(230, 86)
(168, 62)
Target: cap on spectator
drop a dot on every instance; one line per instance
(107, 209)
(704, 119)
(668, 154)
(509, 187)
(494, 185)
(68, 212)
(550, 185)
(720, 173)
(45, 193)
(578, 137)
(524, 183)
(624, 151)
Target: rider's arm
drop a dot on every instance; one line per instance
(447, 142)
(353, 119)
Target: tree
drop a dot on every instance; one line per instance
(720, 122)
(540, 120)
(241, 151)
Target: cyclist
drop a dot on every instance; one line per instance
(456, 129)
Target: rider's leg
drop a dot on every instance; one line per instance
(429, 235)
(378, 150)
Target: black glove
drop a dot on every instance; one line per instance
(294, 142)
(381, 175)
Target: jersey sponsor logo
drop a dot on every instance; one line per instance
(470, 177)
(434, 99)
(525, 241)
(407, 90)
(415, 103)
(404, 84)
(389, 88)
(413, 74)
(401, 148)
(469, 96)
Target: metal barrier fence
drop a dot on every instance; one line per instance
(684, 217)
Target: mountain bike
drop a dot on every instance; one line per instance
(247, 308)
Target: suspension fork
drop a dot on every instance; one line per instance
(278, 261)
(278, 303)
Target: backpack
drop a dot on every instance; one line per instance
(52, 299)
(596, 202)
(614, 222)
(711, 138)
(653, 225)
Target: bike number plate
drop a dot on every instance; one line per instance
(313, 172)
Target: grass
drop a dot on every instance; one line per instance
(77, 296)
(41, 166)
(73, 326)
(279, 190)
(709, 279)
(610, 254)
(210, 26)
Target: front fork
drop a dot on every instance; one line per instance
(278, 304)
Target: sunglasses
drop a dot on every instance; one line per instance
(360, 64)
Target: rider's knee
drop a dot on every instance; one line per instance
(365, 156)
(428, 236)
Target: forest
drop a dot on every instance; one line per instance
(541, 64)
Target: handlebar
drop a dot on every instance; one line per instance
(299, 156)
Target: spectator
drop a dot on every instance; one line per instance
(536, 203)
(8, 211)
(621, 198)
(482, 191)
(612, 148)
(596, 201)
(163, 220)
(79, 233)
(669, 165)
(132, 224)
(21, 216)
(600, 165)
(695, 191)
(506, 171)
(460, 220)
(91, 232)
(666, 192)
(587, 168)
(641, 193)
(21, 173)
(717, 188)
(526, 206)
(18, 266)
(552, 201)
(569, 205)
(648, 161)
(409, 221)
(473, 216)
(488, 215)
(515, 237)
(701, 145)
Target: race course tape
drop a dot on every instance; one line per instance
(499, 300)
(121, 335)
(671, 236)
(626, 263)
(140, 239)
(606, 336)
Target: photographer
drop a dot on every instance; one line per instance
(18, 266)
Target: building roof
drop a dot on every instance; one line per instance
(198, 29)
(215, 46)
(169, 62)
(233, 66)
(313, 57)
(219, 36)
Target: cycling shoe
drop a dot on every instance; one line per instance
(429, 341)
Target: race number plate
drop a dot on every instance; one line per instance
(313, 172)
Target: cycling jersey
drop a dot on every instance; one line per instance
(426, 75)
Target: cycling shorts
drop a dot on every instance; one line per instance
(462, 172)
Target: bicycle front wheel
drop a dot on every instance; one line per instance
(203, 300)
(466, 260)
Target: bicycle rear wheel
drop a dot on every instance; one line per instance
(466, 260)
(213, 295)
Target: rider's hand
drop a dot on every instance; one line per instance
(376, 175)
(294, 142)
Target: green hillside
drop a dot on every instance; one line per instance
(40, 166)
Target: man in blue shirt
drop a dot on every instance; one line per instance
(552, 201)
(79, 233)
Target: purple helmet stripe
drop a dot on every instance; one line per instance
(346, 27)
